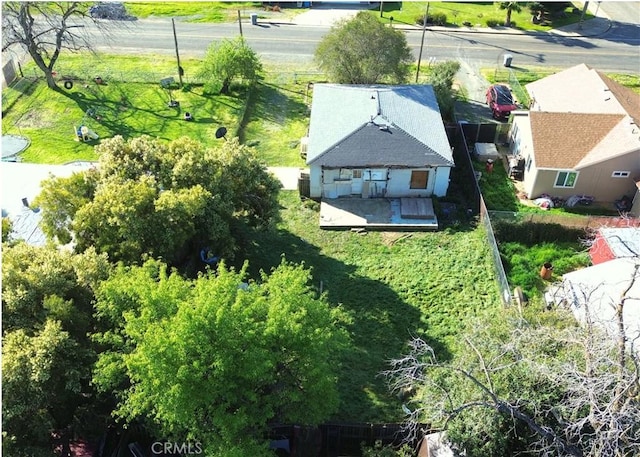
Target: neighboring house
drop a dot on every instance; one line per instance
(615, 243)
(580, 137)
(377, 141)
(20, 186)
(598, 290)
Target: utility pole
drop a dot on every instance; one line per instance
(175, 39)
(584, 10)
(424, 28)
(380, 8)
(239, 22)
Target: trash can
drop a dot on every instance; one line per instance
(254, 18)
(546, 271)
(507, 60)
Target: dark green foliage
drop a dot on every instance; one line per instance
(364, 51)
(162, 200)
(498, 191)
(532, 233)
(433, 18)
(47, 297)
(441, 78)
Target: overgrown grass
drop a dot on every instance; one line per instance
(475, 13)
(523, 263)
(498, 191)
(394, 285)
(279, 116)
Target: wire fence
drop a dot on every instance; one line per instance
(463, 161)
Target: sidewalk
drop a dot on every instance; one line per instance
(326, 16)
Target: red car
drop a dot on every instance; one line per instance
(500, 101)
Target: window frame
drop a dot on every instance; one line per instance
(567, 173)
(620, 174)
(426, 180)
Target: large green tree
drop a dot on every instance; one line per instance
(47, 314)
(169, 200)
(227, 60)
(364, 51)
(510, 7)
(441, 78)
(216, 359)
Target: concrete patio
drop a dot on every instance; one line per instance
(377, 214)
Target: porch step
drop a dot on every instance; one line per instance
(416, 208)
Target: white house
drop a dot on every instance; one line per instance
(377, 141)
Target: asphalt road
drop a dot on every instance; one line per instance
(616, 50)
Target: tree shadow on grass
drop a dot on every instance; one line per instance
(382, 321)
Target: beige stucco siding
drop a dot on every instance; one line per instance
(595, 180)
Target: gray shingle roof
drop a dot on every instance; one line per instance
(346, 120)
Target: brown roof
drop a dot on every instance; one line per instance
(562, 140)
(629, 99)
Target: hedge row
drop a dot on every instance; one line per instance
(532, 233)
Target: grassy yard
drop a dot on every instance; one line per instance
(215, 12)
(276, 119)
(279, 115)
(192, 11)
(394, 285)
(478, 14)
(475, 13)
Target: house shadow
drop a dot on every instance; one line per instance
(382, 322)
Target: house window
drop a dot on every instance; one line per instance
(419, 179)
(357, 174)
(345, 174)
(620, 174)
(566, 179)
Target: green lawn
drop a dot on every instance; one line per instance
(192, 11)
(279, 116)
(475, 13)
(129, 109)
(394, 285)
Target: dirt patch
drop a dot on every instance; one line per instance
(390, 238)
(34, 119)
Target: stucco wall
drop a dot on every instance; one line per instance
(595, 181)
(331, 183)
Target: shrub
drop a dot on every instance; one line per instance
(434, 19)
(532, 233)
(492, 22)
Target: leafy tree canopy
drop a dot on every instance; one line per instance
(47, 313)
(364, 51)
(441, 78)
(168, 200)
(229, 59)
(216, 359)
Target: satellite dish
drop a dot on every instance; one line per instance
(221, 132)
